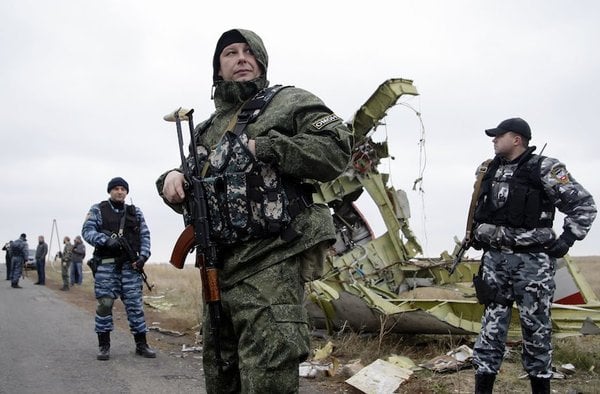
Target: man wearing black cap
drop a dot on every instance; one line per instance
(513, 225)
(268, 230)
(117, 273)
(19, 252)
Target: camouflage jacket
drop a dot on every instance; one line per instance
(67, 253)
(302, 137)
(565, 193)
(19, 248)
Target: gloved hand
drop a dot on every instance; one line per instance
(561, 245)
(477, 245)
(112, 244)
(139, 264)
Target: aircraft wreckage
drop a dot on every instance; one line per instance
(379, 283)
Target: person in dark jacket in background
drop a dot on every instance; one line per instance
(8, 259)
(40, 260)
(77, 257)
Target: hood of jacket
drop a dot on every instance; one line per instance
(231, 93)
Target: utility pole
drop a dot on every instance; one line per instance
(54, 229)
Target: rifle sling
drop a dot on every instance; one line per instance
(122, 222)
(252, 109)
(133, 257)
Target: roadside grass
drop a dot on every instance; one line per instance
(180, 290)
(177, 292)
(582, 352)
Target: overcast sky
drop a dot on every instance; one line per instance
(84, 86)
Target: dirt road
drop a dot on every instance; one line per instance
(49, 346)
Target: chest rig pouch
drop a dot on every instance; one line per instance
(246, 198)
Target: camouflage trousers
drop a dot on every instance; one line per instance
(17, 269)
(263, 336)
(526, 279)
(113, 282)
(65, 267)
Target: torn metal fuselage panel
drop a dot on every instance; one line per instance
(373, 283)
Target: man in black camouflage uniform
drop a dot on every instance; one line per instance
(514, 215)
(264, 334)
(19, 252)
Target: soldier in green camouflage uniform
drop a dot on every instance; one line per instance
(514, 215)
(67, 255)
(264, 335)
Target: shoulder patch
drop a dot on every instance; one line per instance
(561, 175)
(324, 121)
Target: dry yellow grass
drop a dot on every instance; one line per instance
(181, 289)
(176, 293)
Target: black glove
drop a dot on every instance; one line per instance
(477, 245)
(112, 244)
(139, 264)
(561, 245)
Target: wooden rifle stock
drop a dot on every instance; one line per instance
(467, 240)
(183, 246)
(209, 277)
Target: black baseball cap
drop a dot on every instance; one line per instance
(516, 125)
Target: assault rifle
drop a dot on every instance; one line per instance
(196, 232)
(131, 256)
(464, 246)
(468, 240)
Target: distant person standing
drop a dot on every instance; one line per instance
(66, 257)
(109, 226)
(40, 260)
(8, 258)
(19, 251)
(77, 261)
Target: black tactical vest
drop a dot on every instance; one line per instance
(527, 205)
(111, 222)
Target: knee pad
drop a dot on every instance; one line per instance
(105, 305)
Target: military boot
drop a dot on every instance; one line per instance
(484, 383)
(104, 345)
(540, 385)
(141, 346)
